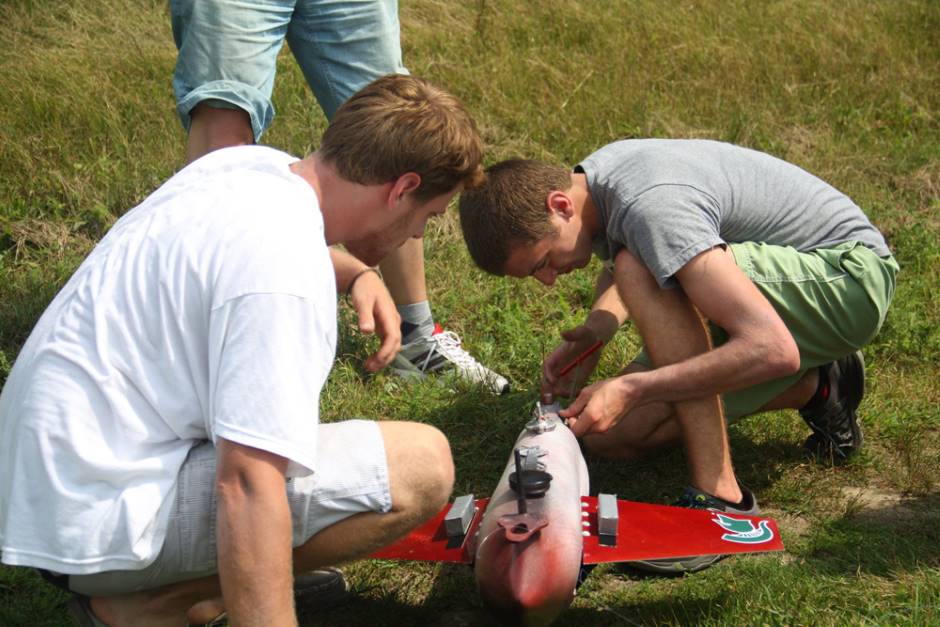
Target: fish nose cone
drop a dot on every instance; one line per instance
(523, 583)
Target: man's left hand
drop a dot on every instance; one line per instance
(602, 405)
(377, 314)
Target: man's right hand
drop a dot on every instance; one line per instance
(377, 314)
(576, 341)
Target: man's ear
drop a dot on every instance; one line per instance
(560, 203)
(404, 184)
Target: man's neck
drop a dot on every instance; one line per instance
(343, 203)
(584, 204)
(309, 170)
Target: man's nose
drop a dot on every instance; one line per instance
(546, 276)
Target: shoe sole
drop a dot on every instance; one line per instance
(860, 394)
(682, 566)
(410, 371)
(857, 372)
(405, 373)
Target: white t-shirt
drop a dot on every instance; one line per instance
(207, 311)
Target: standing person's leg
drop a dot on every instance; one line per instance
(376, 482)
(225, 69)
(214, 126)
(340, 48)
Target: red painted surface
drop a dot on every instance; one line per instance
(428, 543)
(661, 531)
(528, 576)
(645, 532)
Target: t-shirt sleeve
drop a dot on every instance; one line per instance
(666, 226)
(270, 355)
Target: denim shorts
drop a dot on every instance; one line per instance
(833, 301)
(228, 51)
(352, 478)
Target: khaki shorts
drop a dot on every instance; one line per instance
(353, 478)
(833, 301)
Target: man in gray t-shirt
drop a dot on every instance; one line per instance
(790, 276)
(667, 201)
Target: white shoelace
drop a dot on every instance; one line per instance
(448, 344)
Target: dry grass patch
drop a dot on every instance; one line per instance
(52, 238)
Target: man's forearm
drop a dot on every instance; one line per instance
(737, 364)
(254, 548)
(345, 266)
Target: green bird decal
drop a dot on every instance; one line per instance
(743, 531)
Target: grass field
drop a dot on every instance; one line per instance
(849, 91)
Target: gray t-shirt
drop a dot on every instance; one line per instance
(667, 200)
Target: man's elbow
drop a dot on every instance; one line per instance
(782, 356)
(235, 491)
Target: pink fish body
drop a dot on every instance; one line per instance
(527, 566)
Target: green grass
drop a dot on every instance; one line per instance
(847, 90)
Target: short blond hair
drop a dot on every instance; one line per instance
(399, 124)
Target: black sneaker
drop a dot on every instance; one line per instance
(836, 434)
(696, 499)
(315, 590)
(320, 589)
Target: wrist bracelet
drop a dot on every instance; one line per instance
(352, 282)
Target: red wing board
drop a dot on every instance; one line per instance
(644, 532)
(429, 542)
(647, 532)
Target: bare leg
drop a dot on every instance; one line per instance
(403, 270)
(673, 331)
(421, 477)
(163, 607)
(652, 427)
(213, 128)
(797, 395)
(643, 431)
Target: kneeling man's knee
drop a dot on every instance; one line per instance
(421, 469)
(603, 445)
(440, 466)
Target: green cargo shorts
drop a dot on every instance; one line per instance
(833, 301)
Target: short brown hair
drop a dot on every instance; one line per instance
(399, 124)
(509, 210)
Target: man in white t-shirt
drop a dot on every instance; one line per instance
(170, 391)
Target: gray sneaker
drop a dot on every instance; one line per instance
(836, 434)
(440, 352)
(696, 499)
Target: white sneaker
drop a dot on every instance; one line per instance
(442, 351)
